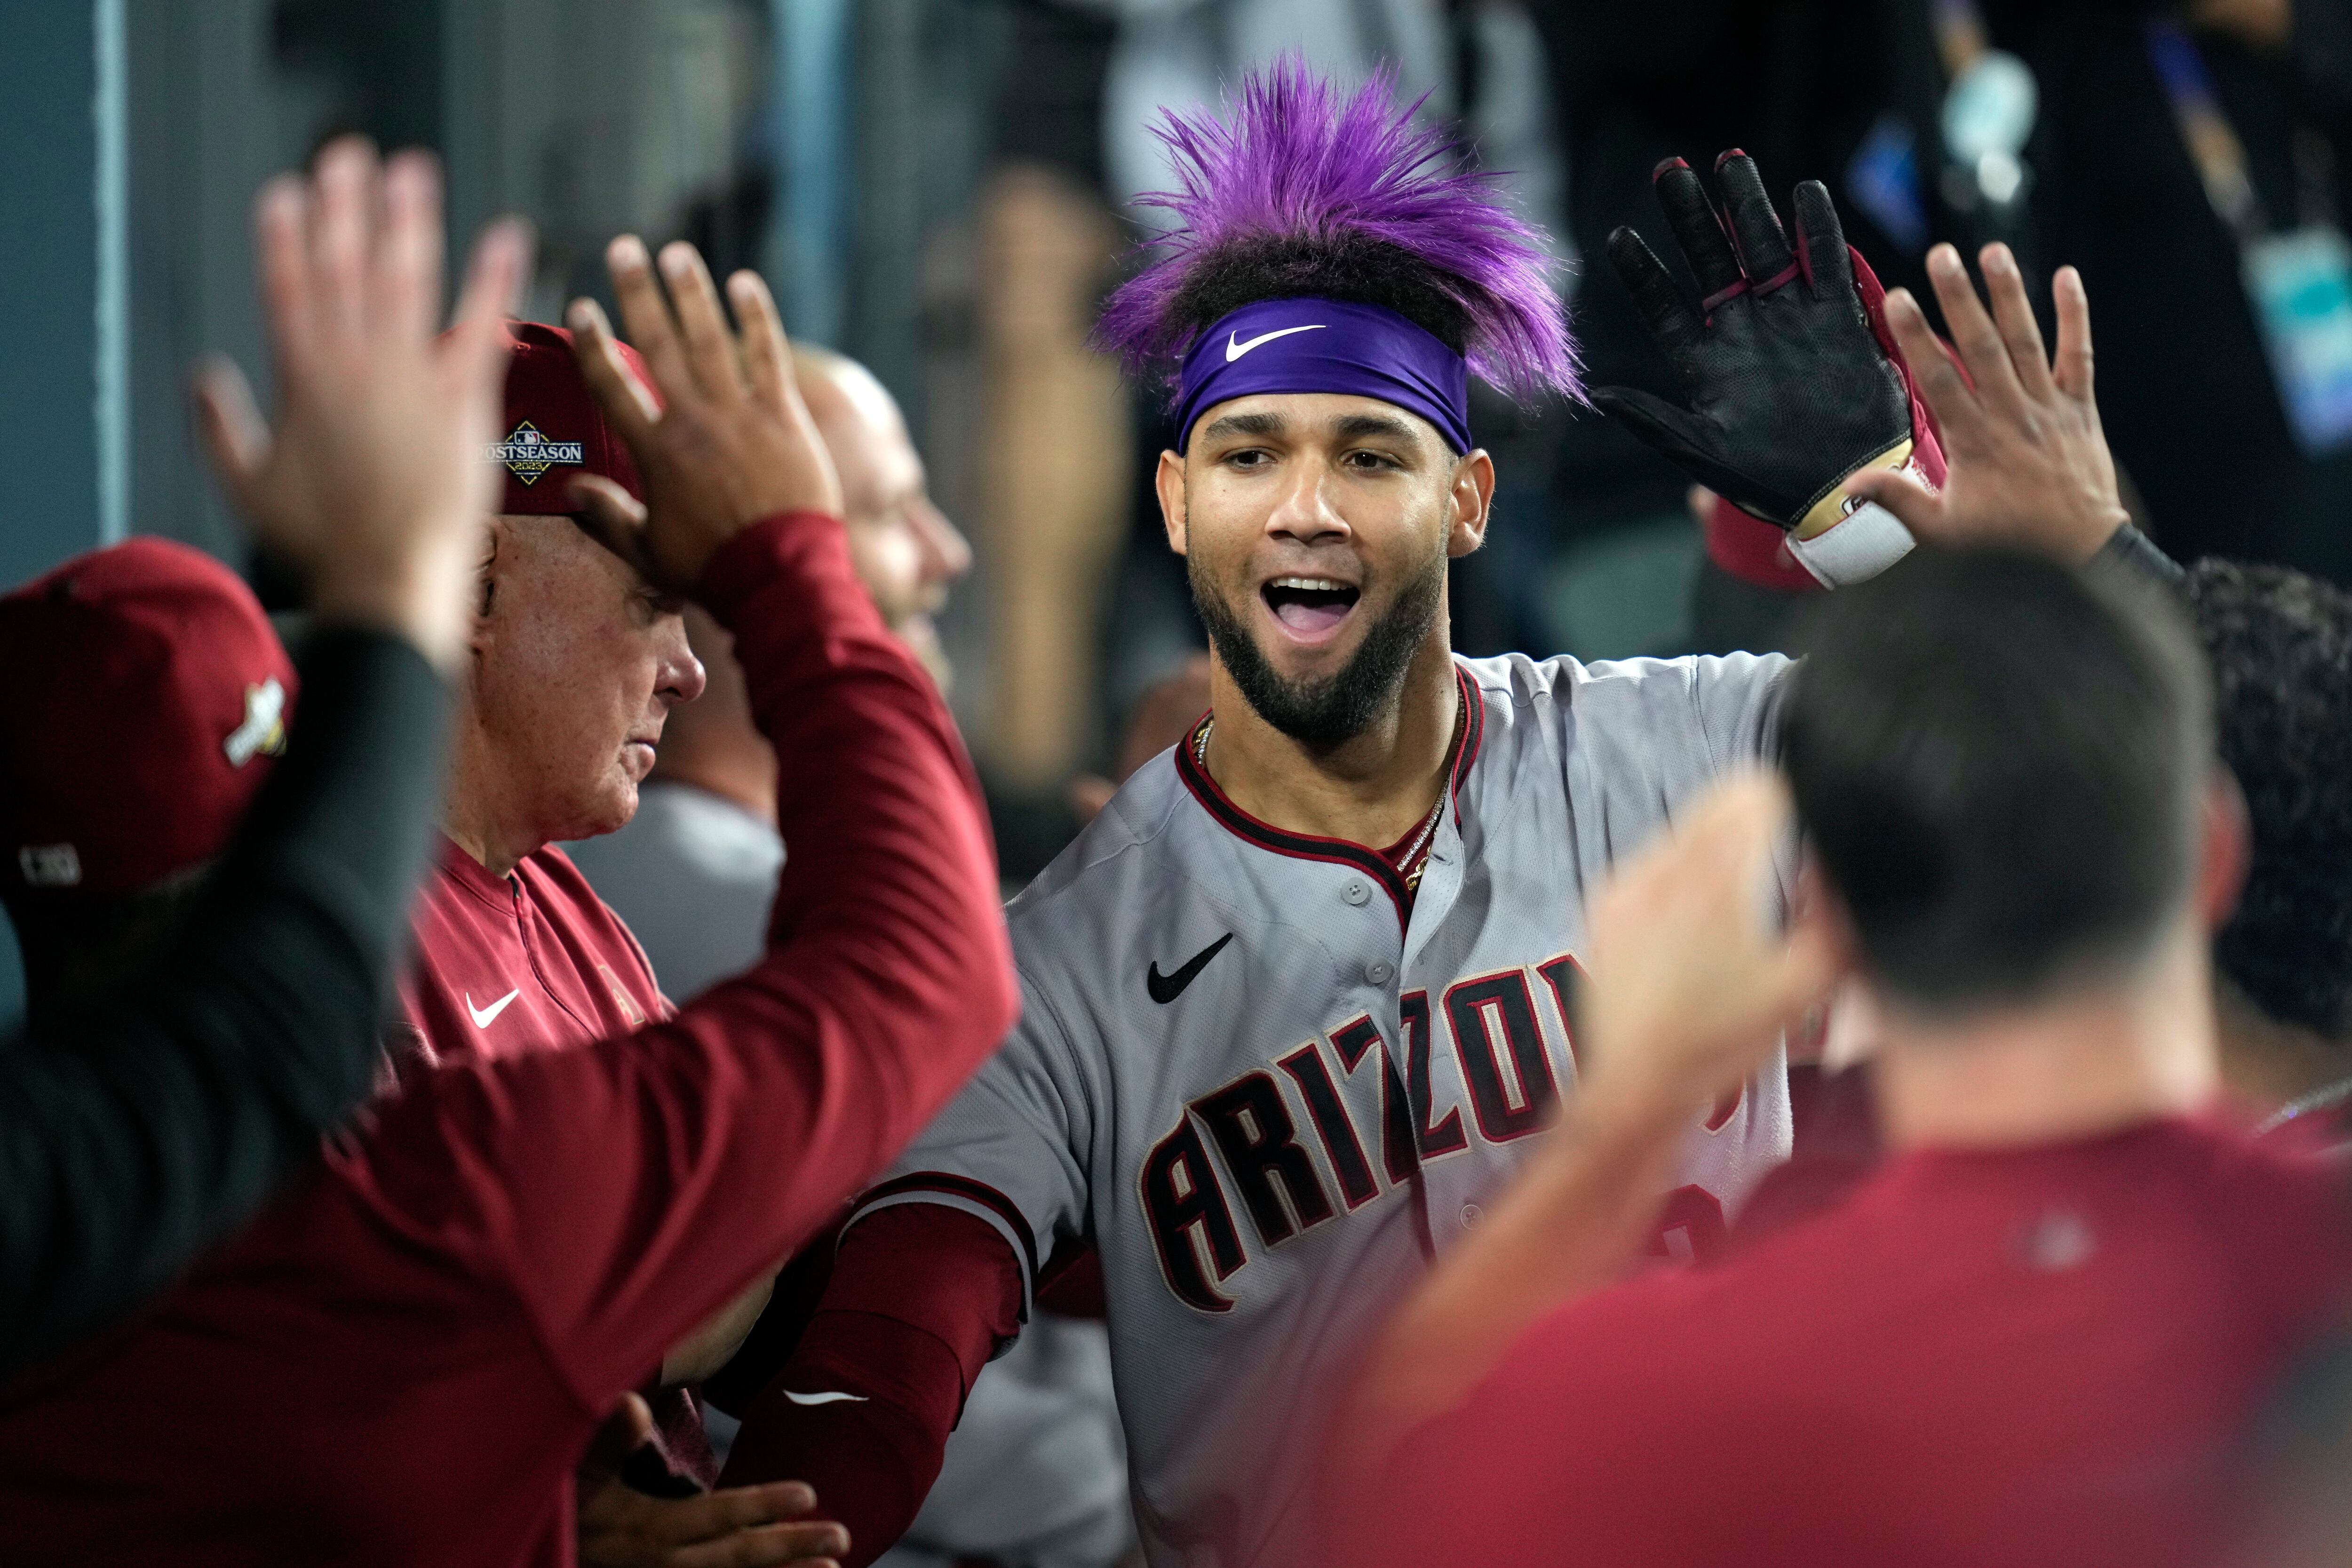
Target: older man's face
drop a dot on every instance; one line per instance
(578, 665)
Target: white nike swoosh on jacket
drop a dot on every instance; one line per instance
(484, 1016)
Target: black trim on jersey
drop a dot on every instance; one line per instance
(1335, 851)
(980, 1192)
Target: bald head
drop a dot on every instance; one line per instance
(905, 549)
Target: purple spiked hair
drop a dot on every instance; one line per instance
(1325, 184)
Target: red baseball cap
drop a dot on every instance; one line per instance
(153, 695)
(553, 426)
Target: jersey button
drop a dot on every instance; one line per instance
(1378, 971)
(1472, 1215)
(1357, 891)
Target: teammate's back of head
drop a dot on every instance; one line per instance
(2280, 645)
(2000, 764)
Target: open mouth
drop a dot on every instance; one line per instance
(1309, 606)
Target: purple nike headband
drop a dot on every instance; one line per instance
(1309, 344)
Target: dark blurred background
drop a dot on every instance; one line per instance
(941, 189)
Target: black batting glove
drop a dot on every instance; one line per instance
(1789, 390)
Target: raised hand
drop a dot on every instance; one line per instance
(1788, 389)
(726, 441)
(620, 1526)
(1687, 986)
(2027, 462)
(373, 485)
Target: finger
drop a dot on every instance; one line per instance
(711, 1515)
(1697, 233)
(2012, 315)
(405, 290)
(2071, 368)
(767, 357)
(709, 347)
(495, 273)
(280, 241)
(1914, 506)
(343, 220)
(235, 435)
(626, 400)
(477, 342)
(1764, 253)
(1939, 381)
(1820, 241)
(1973, 332)
(647, 315)
(1657, 297)
(615, 519)
(804, 1543)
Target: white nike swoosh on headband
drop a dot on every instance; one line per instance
(1235, 348)
(828, 1398)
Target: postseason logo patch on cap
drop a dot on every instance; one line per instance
(528, 454)
(262, 733)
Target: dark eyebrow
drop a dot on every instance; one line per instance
(1367, 427)
(1243, 424)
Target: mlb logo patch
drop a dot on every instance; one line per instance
(526, 454)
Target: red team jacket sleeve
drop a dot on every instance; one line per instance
(920, 1296)
(625, 1190)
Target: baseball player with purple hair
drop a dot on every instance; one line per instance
(1296, 1000)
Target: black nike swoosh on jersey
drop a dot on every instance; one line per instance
(1168, 987)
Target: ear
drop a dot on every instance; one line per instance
(1473, 497)
(1169, 480)
(2225, 849)
(495, 543)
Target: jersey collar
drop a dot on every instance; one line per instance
(1335, 851)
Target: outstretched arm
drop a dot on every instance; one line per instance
(123, 1152)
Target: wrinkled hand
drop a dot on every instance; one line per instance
(727, 442)
(620, 1526)
(2026, 460)
(1688, 987)
(1789, 390)
(373, 485)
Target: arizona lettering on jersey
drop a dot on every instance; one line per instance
(1271, 1088)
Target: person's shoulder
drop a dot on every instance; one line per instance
(2292, 1176)
(1130, 841)
(1514, 679)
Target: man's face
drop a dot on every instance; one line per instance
(1316, 528)
(904, 549)
(578, 664)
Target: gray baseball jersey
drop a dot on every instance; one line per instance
(1271, 1088)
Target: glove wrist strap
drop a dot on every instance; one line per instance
(1833, 504)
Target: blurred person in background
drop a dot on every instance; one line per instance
(404, 1356)
(2035, 1336)
(2279, 647)
(2194, 159)
(209, 914)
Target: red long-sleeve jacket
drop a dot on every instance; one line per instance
(401, 1361)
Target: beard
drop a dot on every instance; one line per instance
(1342, 705)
